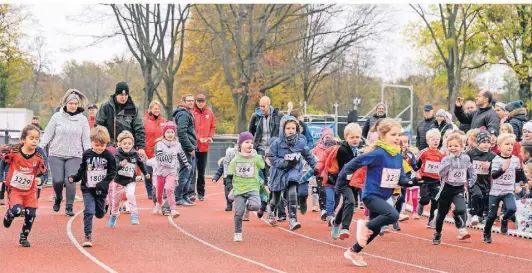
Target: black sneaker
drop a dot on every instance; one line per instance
(303, 205)
(504, 226)
(396, 227)
(7, 221)
(487, 238)
(24, 240)
(437, 239)
(57, 204)
(201, 197)
(282, 218)
(260, 213)
(229, 208)
(69, 211)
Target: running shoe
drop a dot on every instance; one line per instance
(504, 226)
(431, 223)
(323, 215)
(403, 217)
(156, 209)
(7, 220)
(294, 224)
(174, 213)
(188, 200)
(474, 220)
(260, 213)
(229, 208)
(487, 238)
(415, 216)
(282, 219)
(329, 220)
(78, 199)
(355, 258)
(362, 233)
(134, 219)
(57, 205)
(315, 208)
(69, 210)
(24, 240)
(237, 237)
(335, 230)
(88, 241)
(201, 198)
(344, 234)
(271, 219)
(246, 215)
(396, 226)
(463, 234)
(192, 197)
(437, 239)
(112, 221)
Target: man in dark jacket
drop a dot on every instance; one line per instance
(484, 116)
(380, 113)
(264, 124)
(120, 113)
(186, 134)
(469, 106)
(424, 126)
(517, 117)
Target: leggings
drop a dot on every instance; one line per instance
(345, 214)
(29, 217)
(292, 200)
(508, 200)
(61, 169)
(412, 194)
(167, 184)
(451, 195)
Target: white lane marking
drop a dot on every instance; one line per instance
(222, 250)
(81, 249)
(465, 247)
(364, 253)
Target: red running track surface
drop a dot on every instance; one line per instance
(201, 241)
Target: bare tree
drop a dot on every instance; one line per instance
(155, 37)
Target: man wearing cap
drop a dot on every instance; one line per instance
(424, 126)
(380, 113)
(119, 113)
(93, 109)
(35, 121)
(483, 116)
(205, 126)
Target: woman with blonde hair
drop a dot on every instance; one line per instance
(67, 136)
(153, 127)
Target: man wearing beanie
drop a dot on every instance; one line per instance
(119, 114)
(441, 125)
(483, 116)
(516, 117)
(380, 113)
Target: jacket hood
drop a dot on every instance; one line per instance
(75, 116)
(259, 112)
(130, 153)
(179, 108)
(519, 113)
(284, 119)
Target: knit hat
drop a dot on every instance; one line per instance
(440, 113)
(514, 105)
(528, 126)
(326, 131)
(380, 104)
(122, 88)
(244, 136)
(482, 136)
(501, 105)
(169, 125)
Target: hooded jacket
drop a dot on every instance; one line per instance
(483, 175)
(186, 132)
(517, 119)
(126, 174)
(255, 125)
(67, 136)
(442, 127)
(280, 173)
(370, 123)
(205, 126)
(421, 133)
(154, 130)
(126, 118)
(486, 117)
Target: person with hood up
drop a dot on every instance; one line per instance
(286, 168)
(380, 113)
(441, 125)
(516, 117)
(186, 134)
(320, 151)
(120, 113)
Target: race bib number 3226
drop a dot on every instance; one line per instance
(390, 178)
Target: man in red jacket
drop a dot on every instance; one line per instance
(205, 126)
(93, 109)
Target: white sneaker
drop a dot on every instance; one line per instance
(415, 216)
(231, 196)
(237, 237)
(156, 209)
(78, 199)
(403, 217)
(355, 258)
(174, 213)
(474, 220)
(463, 234)
(362, 233)
(315, 208)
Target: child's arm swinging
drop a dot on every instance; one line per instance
(350, 168)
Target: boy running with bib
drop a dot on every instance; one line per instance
(97, 169)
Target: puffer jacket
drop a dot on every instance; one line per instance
(517, 118)
(186, 133)
(153, 129)
(421, 133)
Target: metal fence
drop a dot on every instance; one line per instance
(217, 150)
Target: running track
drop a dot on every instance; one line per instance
(201, 241)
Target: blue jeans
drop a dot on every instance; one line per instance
(94, 205)
(508, 201)
(332, 200)
(184, 180)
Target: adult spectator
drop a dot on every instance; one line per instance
(502, 113)
(152, 122)
(469, 106)
(93, 109)
(67, 137)
(517, 117)
(35, 121)
(205, 126)
(264, 125)
(449, 119)
(441, 124)
(186, 134)
(120, 113)
(484, 116)
(304, 127)
(424, 126)
(380, 113)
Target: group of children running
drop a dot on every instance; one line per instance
(380, 175)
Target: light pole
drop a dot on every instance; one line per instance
(335, 119)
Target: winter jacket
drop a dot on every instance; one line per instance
(442, 127)
(99, 168)
(464, 127)
(92, 121)
(126, 174)
(67, 136)
(281, 171)
(255, 125)
(483, 174)
(457, 170)
(154, 130)
(125, 118)
(486, 117)
(421, 133)
(170, 157)
(517, 118)
(370, 123)
(307, 134)
(205, 126)
(185, 129)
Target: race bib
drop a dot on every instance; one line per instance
(431, 167)
(21, 181)
(507, 178)
(390, 178)
(95, 177)
(457, 176)
(128, 170)
(245, 169)
(477, 165)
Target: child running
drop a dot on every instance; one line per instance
(506, 171)
(384, 172)
(244, 172)
(127, 160)
(327, 200)
(26, 166)
(286, 168)
(168, 154)
(97, 169)
(411, 193)
(455, 170)
(230, 153)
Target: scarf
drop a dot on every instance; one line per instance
(169, 143)
(393, 150)
(248, 155)
(292, 140)
(329, 142)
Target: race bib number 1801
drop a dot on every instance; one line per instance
(95, 177)
(390, 178)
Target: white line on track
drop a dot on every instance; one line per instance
(364, 253)
(222, 250)
(465, 247)
(81, 249)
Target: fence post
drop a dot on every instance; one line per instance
(335, 119)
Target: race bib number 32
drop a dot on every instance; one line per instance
(128, 170)
(95, 177)
(245, 170)
(21, 181)
(390, 178)
(477, 165)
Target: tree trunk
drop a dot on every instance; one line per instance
(169, 83)
(148, 83)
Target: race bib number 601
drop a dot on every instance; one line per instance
(390, 178)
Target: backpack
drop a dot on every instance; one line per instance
(331, 164)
